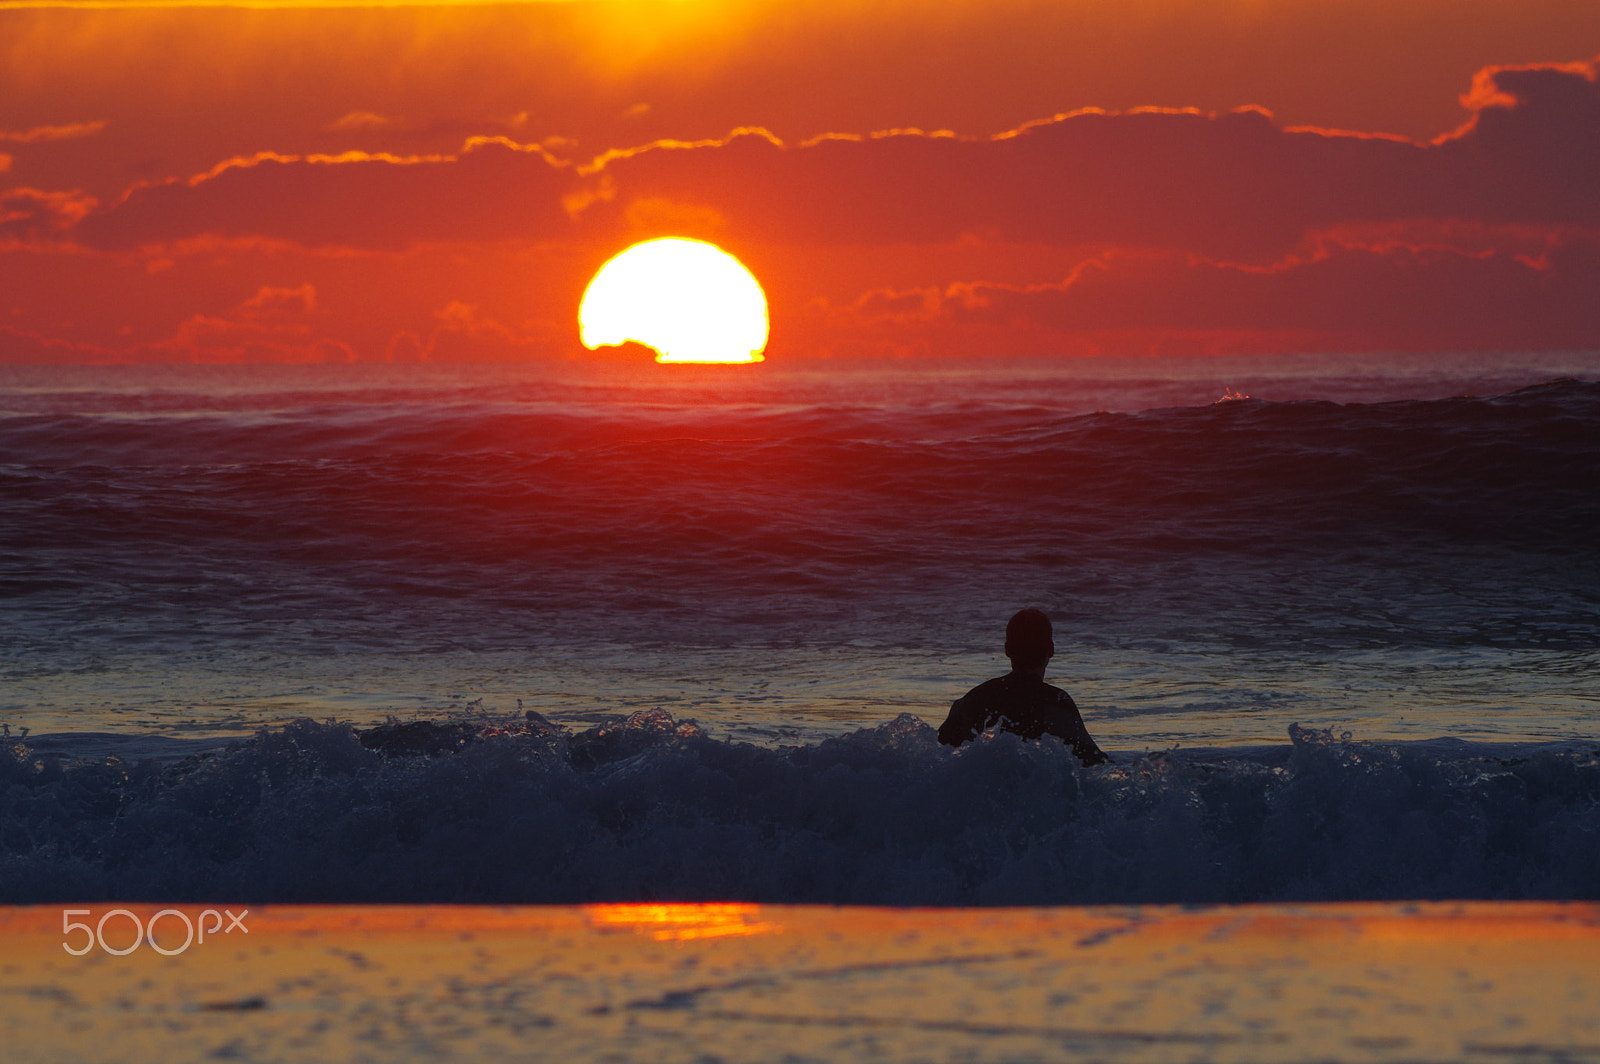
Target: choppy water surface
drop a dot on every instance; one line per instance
(784, 553)
(811, 562)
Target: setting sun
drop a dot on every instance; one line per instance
(691, 301)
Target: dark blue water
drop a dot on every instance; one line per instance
(787, 557)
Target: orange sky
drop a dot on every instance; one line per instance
(294, 183)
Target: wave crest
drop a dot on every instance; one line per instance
(649, 808)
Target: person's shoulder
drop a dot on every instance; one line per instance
(1036, 688)
(1050, 692)
(987, 689)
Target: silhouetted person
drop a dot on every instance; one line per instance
(1020, 701)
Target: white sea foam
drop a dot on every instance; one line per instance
(649, 808)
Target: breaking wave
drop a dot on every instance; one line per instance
(649, 808)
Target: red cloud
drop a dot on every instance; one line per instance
(463, 334)
(274, 325)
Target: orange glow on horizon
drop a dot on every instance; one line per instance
(689, 300)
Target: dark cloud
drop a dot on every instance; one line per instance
(377, 132)
(1532, 150)
(30, 215)
(1233, 186)
(494, 190)
(1395, 298)
(18, 346)
(41, 134)
(1225, 230)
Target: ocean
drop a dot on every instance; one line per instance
(1336, 619)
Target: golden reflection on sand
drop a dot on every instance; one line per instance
(680, 922)
(1388, 983)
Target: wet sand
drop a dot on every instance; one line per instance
(666, 983)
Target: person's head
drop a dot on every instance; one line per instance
(1030, 644)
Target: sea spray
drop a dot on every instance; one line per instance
(647, 808)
